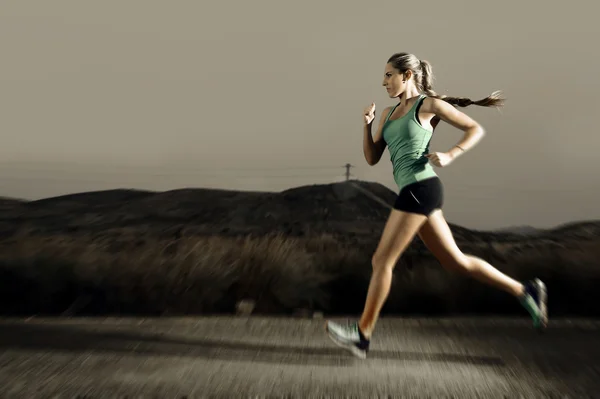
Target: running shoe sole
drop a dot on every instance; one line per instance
(543, 298)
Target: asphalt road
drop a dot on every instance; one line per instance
(274, 357)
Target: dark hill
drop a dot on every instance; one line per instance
(338, 208)
(333, 207)
(354, 212)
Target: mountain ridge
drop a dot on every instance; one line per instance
(333, 207)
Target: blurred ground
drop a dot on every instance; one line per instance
(260, 357)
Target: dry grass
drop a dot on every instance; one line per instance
(120, 272)
(190, 275)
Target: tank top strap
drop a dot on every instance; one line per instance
(391, 111)
(419, 102)
(415, 109)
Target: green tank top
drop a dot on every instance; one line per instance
(408, 142)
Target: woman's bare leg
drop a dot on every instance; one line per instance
(437, 236)
(398, 233)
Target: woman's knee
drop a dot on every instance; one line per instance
(458, 263)
(381, 261)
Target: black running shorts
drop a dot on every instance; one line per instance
(421, 197)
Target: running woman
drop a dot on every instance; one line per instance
(406, 129)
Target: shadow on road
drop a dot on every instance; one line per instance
(76, 338)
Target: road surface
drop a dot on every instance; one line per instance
(292, 357)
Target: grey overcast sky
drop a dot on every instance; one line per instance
(268, 95)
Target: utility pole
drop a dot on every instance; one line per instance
(348, 166)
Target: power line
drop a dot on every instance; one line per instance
(274, 172)
(77, 174)
(145, 178)
(74, 166)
